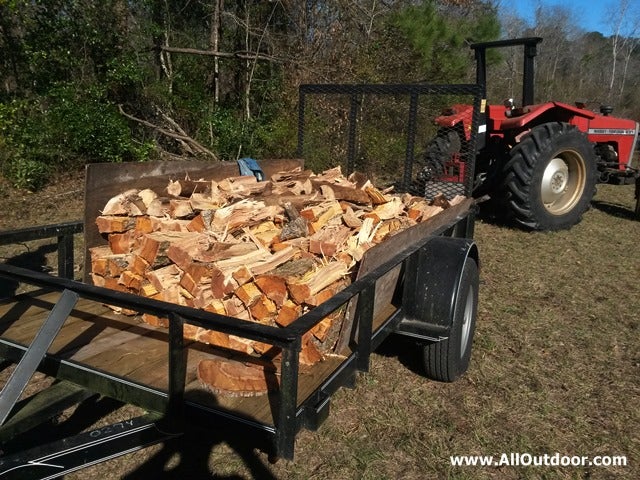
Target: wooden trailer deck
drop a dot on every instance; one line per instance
(99, 339)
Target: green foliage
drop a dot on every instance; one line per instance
(26, 173)
(64, 129)
(88, 126)
(438, 35)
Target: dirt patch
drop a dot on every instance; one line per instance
(555, 368)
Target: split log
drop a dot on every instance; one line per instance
(230, 377)
(303, 290)
(115, 223)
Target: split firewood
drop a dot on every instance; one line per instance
(303, 290)
(288, 313)
(297, 225)
(265, 252)
(343, 192)
(329, 241)
(115, 223)
(272, 261)
(440, 201)
(242, 185)
(377, 197)
(121, 204)
(187, 187)
(273, 287)
(231, 377)
(394, 208)
(164, 278)
(180, 208)
(121, 243)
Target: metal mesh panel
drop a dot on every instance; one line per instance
(397, 135)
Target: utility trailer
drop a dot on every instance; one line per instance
(421, 283)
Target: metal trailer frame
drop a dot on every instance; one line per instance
(449, 238)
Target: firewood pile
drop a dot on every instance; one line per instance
(262, 251)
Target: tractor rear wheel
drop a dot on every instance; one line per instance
(550, 178)
(438, 152)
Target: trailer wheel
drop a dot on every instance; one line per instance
(447, 359)
(550, 178)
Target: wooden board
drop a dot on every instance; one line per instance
(95, 336)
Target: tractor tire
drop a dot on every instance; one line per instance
(438, 151)
(446, 360)
(550, 178)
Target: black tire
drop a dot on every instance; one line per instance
(438, 151)
(550, 178)
(446, 360)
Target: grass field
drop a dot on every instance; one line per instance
(555, 369)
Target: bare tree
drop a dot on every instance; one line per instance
(625, 25)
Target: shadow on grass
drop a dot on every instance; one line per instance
(31, 260)
(193, 450)
(185, 456)
(407, 351)
(614, 209)
(189, 455)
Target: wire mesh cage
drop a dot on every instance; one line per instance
(418, 138)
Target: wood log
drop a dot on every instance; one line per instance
(222, 284)
(230, 377)
(310, 353)
(263, 310)
(154, 247)
(115, 223)
(165, 277)
(180, 208)
(116, 264)
(273, 287)
(131, 280)
(121, 243)
(249, 293)
(212, 337)
(342, 192)
(303, 289)
(329, 240)
(187, 187)
(138, 265)
(121, 203)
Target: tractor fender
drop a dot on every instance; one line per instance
(561, 112)
(457, 115)
(431, 284)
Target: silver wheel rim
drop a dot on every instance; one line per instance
(467, 320)
(563, 182)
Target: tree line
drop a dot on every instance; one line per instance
(132, 80)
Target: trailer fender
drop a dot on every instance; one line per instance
(432, 283)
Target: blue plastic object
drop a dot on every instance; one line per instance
(249, 166)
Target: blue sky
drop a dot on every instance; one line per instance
(588, 15)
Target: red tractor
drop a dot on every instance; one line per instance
(539, 163)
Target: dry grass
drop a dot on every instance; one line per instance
(555, 368)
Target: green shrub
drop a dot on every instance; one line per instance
(63, 130)
(25, 173)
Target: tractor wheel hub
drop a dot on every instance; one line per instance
(554, 180)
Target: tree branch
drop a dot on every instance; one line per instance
(213, 53)
(181, 137)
